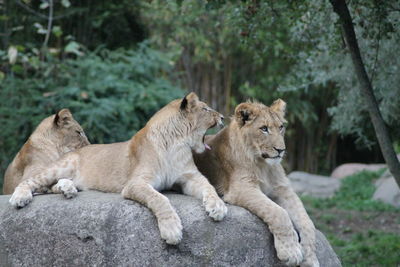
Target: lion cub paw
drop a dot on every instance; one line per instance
(215, 207)
(66, 187)
(310, 262)
(288, 249)
(21, 197)
(170, 229)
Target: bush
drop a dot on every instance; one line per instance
(110, 93)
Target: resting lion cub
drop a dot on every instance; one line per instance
(53, 137)
(154, 159)
(244, 166)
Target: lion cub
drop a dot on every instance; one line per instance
(244, 166)
(53, 137)
(154, 159)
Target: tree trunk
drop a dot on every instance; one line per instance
(340, 7)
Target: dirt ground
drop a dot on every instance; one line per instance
(346, 223)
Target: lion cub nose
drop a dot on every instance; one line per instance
(279, 150)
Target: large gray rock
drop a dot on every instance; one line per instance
(99, 229)
(347, 169)
(313, 185)
(387, 190)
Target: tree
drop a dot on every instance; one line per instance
(382, 134)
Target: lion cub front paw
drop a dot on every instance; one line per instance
(170, 229)
(288, 249)
(310, 262)
(21, 197)
(66, 187)
(215, 207)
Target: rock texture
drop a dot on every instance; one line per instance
(347, 169)
(351, 168)
(387, 190)
(98, 229)
(313, 185)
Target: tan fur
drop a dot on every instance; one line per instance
(54, 136)
(244, 166)
(155, 159)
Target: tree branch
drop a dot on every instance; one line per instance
(382, 134)
(49, 24)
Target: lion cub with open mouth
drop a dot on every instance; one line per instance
(244, 166)
(154, 159)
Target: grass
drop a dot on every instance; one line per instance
(355, 193)
(355, 224)
(374, 248)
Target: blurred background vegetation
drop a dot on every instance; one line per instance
(115, 63)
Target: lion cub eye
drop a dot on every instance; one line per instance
(264, 129)
(281, 128)
(207, 109)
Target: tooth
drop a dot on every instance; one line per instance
(207, 147)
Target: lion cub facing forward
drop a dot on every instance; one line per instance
(244, 165)
(53, 137)
(156, 158)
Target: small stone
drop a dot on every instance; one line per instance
(387, 190)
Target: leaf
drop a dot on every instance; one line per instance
(12, 54)
(57, 31)
(42, 31)
(66, 3)
(38, 25)
(73, 48)
(44, 5)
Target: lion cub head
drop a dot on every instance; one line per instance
(200, 118)
(67, 132)
(262, 129)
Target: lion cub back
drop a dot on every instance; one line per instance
(54, 136)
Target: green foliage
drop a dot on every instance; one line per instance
(357, 245)
(327, 61)
(111, 93)
(109, 23)
(375, 248)
(355, 193)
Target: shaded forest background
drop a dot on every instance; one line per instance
(115, 63)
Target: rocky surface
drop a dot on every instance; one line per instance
(313, 185)
(387, 190)
(98, 229)
(347, 169)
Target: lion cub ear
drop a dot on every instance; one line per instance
(244, 113)
(63, 117)
(189, 101)
(279, 106)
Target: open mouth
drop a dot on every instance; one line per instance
(206, 145)
(204, 136)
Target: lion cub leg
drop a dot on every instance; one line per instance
(287, 199)
(285, 237)
(63, 168)
(169, 223)
(65, 187)
(196, 185)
